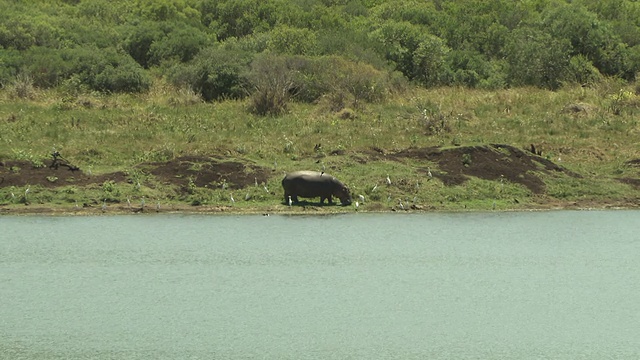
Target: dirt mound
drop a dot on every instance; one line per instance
(50, 175)
(489, 162)
(204, 171)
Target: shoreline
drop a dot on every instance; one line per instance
(43, 210)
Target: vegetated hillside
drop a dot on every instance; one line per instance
(355, 49)
(194, 102)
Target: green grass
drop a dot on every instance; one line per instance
(104, 133)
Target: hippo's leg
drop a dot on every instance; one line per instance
(330, 199)
(294, 198)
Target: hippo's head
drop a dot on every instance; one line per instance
(344, 195)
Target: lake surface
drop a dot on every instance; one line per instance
(557, 285)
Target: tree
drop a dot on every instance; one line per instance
(536, 58)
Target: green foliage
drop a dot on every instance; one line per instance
(10, 61)
(215, 73)
(139, 40)
(293, 41)
(123, 77)
(589, 37)
(471, 43)
(418, 55)
(180, 44)
(232, 18)
(582, 71)
(22, 32)
(536, 59)
(106, 70)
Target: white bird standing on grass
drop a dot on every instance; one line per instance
(289, 201)
(232, 199)
(361, 197)
(388, 180)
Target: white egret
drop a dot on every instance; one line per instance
(232, 199)
(400, 205)
(76, 205)
(374, 187)
(289, 201)
(361, 197)
(255, 179)
(429, 174)
(247, 197)
(357, 205)
(129, 203)
(388, 180)
(265, 188)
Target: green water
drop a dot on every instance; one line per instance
(544, 285)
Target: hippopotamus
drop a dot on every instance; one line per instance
(311, 184)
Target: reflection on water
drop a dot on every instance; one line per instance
(381, 286)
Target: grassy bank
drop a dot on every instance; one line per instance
(591, 132)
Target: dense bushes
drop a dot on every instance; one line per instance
(97, 69)
(215, 74)
(330, 47)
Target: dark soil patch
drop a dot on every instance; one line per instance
(489, 162)
(24, 173)
(204, 171)
(201, 170)
(631, 181)
(633, 163)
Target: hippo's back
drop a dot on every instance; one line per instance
(308, 183)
